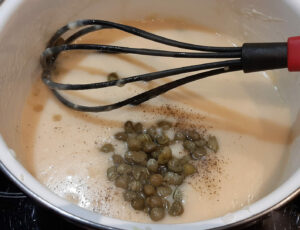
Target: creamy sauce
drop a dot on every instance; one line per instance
(245, 112)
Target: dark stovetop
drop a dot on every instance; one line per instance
(19, 212)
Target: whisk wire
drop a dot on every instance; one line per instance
(138, 32)
(140, 98)
(143, 77)
(57, 45)
(140, 51)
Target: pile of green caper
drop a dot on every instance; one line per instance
(149, 174)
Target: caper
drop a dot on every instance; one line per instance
(162, 139)
(140, 173)
(128, 127)
(138, 127)
(189, 145)
(165, 155)
(121, 136)
(157, 214)
(173, 178)
(179, 136)
(112, 77)
(149, 147)
(152, 132)
(152, 165)
(175, 165)
(162, 169)
(212, 143)
(129, 195)
(201, 142)
(124, 169)
(122, 181)
(141, 195)
(176, 209)
(144, 138)
(137, 157)
(178, 195)
(112, 173)
(135, 186)
(163, 191)
(156, 180)
(130, 178)
(106, 148)
(134, 144)
(155, 154)
(185, 159)
(198, 153)
(117, 159)
(192, 135)
(140, 158)
(149, 189)
(188, 169)
(154, 201)
(166, 150)
(138, 203)
(165, 125)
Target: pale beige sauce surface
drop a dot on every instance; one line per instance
(245, 112)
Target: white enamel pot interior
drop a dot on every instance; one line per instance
(25, 26)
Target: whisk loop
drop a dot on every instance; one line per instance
(250, 57)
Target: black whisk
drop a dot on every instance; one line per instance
(249, 58)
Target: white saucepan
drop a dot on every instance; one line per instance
(26, 25)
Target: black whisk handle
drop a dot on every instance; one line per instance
(264, 56)
(267, 56)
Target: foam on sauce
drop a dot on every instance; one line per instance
(245, 112)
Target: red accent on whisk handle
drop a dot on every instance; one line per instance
(263, 56)
(294, 53)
